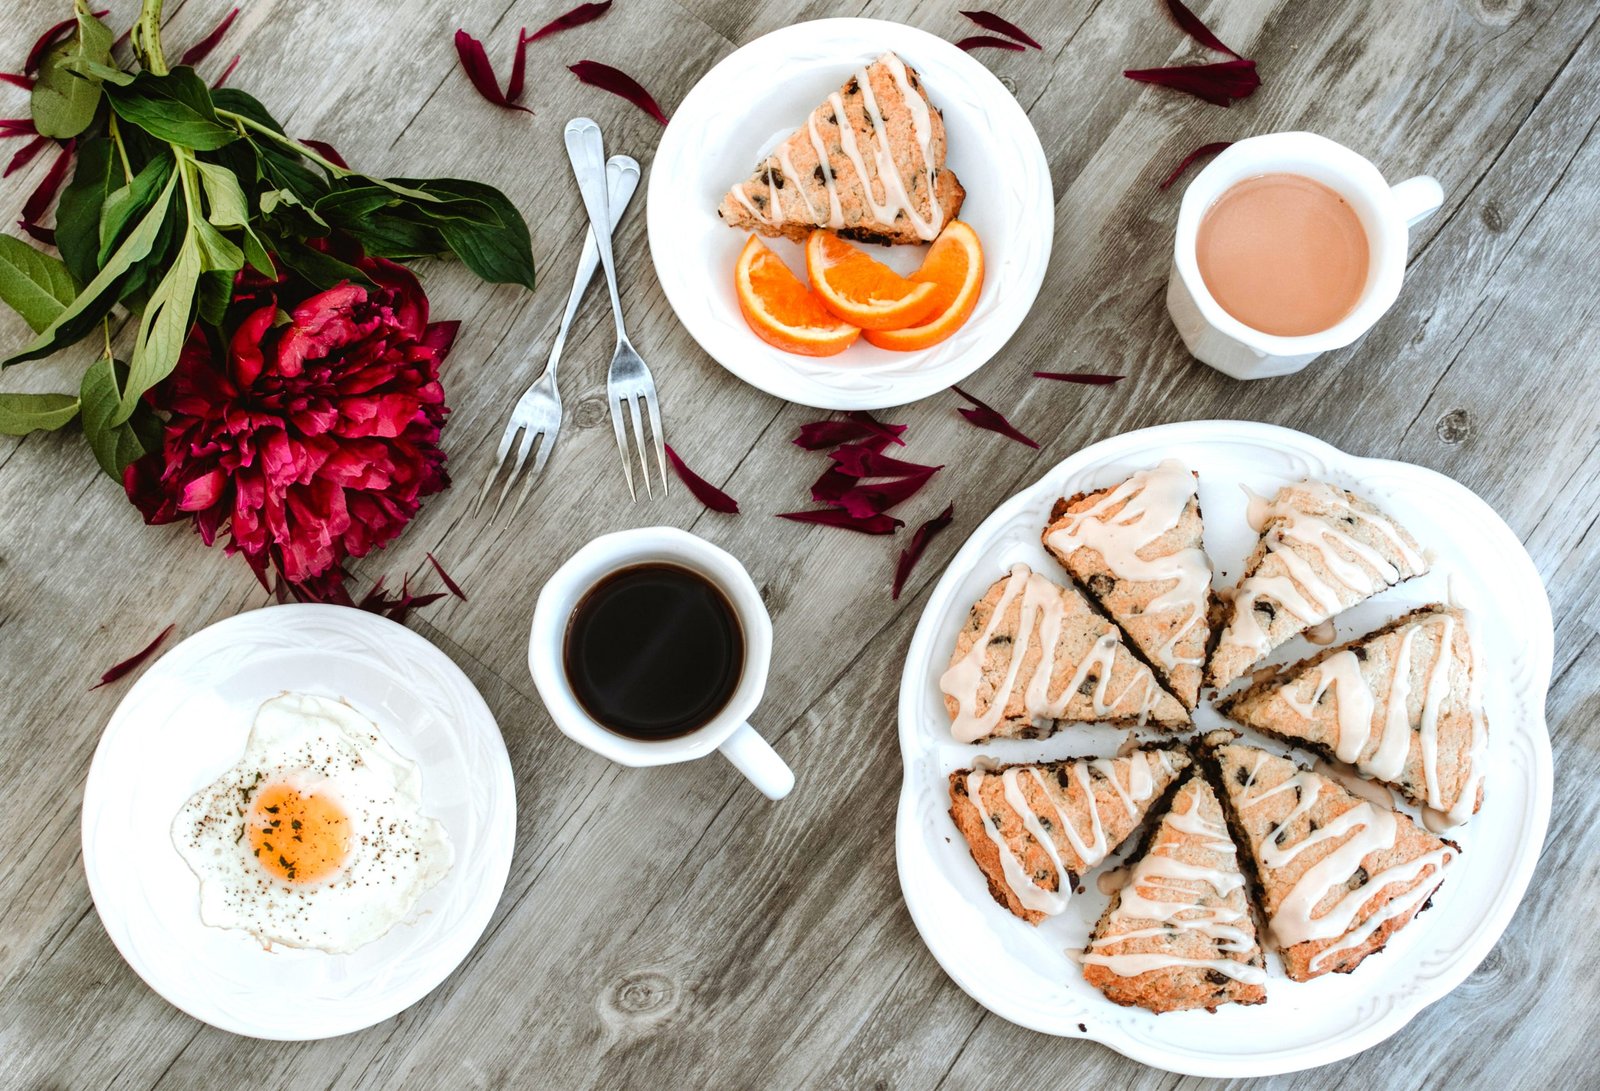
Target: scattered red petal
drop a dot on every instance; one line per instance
(618, 83)
(39, 201)
(703, 490)
(987, 416)
(455, 588)
(50, 38)
(202, 49)
(833, 484)
(988, 20)
(1201, 152)
(226, 72)
(985, 41)
(519, 67)
(17, 79)
(327, 151)
(857, 426)
(476, 63)
(862, 501)
(1084, 377)
(919, 542)
(1221, 84)
(583, 13)
(133, 661)
(29, 151)
(868, 460)
(17, 126)
(1194, 28)
(838, 517)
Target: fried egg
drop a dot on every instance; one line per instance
(316, 836)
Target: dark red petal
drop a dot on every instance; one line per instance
(985, 41)
(132, 662)
(226, 72)
(704, 491)
(29, 150)
(1084, 377)
(1220, 84)
(476, 63)
(856, 426)
(519, 67)
(919, 542)
(202, 49)
(455, 588)
(1199, 153)
(17, 126)
(38, 202)
(1194, 28)
(987, 416)
(866, 500)
(618, 83)
(17, 79)
(50, 38)
(833, 484)
(327, 151)
(583, 13)
(868, 460)
(838, 517)
(988, 20)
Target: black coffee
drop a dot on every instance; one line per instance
(653, 651)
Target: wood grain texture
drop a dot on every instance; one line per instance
(671, 928)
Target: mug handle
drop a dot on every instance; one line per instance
(1417, 198)
(754, 757)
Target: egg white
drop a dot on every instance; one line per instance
(397, 853)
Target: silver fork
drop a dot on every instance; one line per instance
(538, 412)
(629, 379)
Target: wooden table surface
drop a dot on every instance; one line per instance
(671, 927)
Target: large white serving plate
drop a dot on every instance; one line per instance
(1024, 974)
(759, 94)
(186, 720)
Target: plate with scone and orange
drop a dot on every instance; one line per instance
(850, 214)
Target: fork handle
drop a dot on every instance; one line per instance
(622, 179)
(586, 149)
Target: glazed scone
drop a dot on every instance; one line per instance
(1035, 829)
(1322, 550)
(1033, 655)
(1180, 933)
(1136, 550)
(1400, 704)
(868, 164)
(1338, 874)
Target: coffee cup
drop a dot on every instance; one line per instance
(1386, 213)
(728, 730)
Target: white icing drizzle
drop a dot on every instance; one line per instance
(895, 197)
(835, 212)
(1044, 609)
(1153, 503)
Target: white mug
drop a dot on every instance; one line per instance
(729, 730)
(1386, 212)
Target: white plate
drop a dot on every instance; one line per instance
(1024, 974)
(186, 720)
(760, 94)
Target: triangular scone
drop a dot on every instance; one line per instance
(1322, 550)
(879, 177)
(1401, 705)
(1034, 654)
(1136, 550)
(1339, 875)
(1035, 829)
(1180, 934)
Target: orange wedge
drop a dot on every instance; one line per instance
(862, 291)
(781, 310)
(954, 266)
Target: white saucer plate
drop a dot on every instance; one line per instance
(186, 720)
(754, 98)
(1025, 975)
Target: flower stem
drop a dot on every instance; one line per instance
(266, 130)
(146, 38)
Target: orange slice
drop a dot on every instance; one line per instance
(862, 291)
(781, 310)
(954, 266)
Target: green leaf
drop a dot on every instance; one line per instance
(494, 244)
(227, 206)
(97, 296)
(129, 201)
(24, 413)
(64, 98)
(217, 251)
(176, 108)
(115, 444)
(319, 269)
(164, 325)
(78, 211)
(32, 283)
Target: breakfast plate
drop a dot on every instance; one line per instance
(187, 720)
(754, 98)
(1025, 974)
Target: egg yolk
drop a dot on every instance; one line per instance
(297, 838)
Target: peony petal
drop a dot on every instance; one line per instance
(245, 354)
(50, 37)
(1084, 377)
(1221, 84)
(838, 517)
(919, 542)
(1199, 153)
(26, 155)
(327, 151)
(988, 20)
(583, 13)
(226, 72)
(202, 492)
(1194, 28)
(703, 490)
(856, 426)
(476, 64)
(868, 460)
(133, 661)
(455, 588)
(39, 201)
(986, 416)
(988, 41)
(867, 500)
(618, 83)
(202, 49)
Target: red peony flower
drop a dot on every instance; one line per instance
(314, 437)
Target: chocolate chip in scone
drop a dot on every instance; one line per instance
(1101, 585)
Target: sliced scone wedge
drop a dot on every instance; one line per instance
(1180, 933)
(1137, 551)
(1035, 828)
(1034, 655)
(1322, 550)
(1400, 704)
(1339, 875)
(868, 164)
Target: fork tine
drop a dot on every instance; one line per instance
(532, 476)
(638, 437)
(622, 444)
(655, 434)
(528, 436)
(499, 461)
